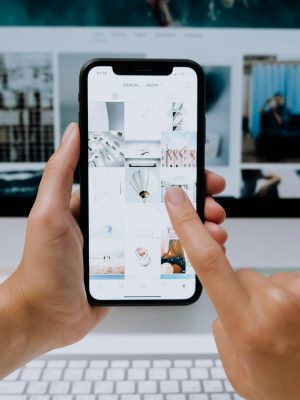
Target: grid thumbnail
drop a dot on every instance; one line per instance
(26, 107)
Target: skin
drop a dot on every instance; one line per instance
(258, 324)
(161, 7)
(271, 181)
(278, 101)
(43, 304)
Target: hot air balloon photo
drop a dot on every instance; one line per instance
(142, 185)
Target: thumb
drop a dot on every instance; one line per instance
(56, 184)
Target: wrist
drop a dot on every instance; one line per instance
(22, 333)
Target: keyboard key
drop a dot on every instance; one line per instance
(157, 374)
(218, 363)
(108, 397)
(57, 364)
(162, 363)
(153, 397)
(198, 397)
(62, 397)
(73, 374)
(130, 397)
(228, 386)
(178, 373)
(14, 397)
(204, 363)
(120, 364)
(37, 387)
(12, 387)
(169, 386)
(199, 373)
(238, 397)
(30, 374)
(212, 386)
(104, 387)
(126, 387)
(13, 376)
(39, 397)
(81, 387)
(136, 374)
(191, 386)
(115, 374)
(175, 397)
(141, 364)
(52, 374)
(94, 374)
(218, 373)
(35, 364)
(183, 363)
(77, 364)
(220, 396)
(85, 397)
(98, 363)
(147, 387)
(59, 387)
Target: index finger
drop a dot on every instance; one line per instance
(207, 257)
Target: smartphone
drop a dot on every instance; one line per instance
(142, 130)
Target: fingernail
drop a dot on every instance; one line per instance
(175, 195)
(69, 131)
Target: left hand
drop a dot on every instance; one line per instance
(49, 279)
(48, 283)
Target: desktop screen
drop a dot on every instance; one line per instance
(249, 50)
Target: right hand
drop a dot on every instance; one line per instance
(257, 331)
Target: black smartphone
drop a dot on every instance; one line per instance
(142, 130)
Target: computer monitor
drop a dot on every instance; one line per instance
(250, 53)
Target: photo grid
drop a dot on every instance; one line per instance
(259, 158)
(137, 150)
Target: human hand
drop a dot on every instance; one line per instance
(49, 280)
(44, 300)
(258, 324)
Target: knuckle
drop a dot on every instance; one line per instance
(210, 259)
(39, 216)
(189, 219)
(244, 273)
(42, 216)
(278, 303)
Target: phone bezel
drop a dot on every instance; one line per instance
(130, 66)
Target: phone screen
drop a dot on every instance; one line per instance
(142, 139)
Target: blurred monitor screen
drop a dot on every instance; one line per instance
(249, 50)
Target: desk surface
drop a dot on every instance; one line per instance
(142, 344)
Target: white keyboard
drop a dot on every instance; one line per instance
(72, 377)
